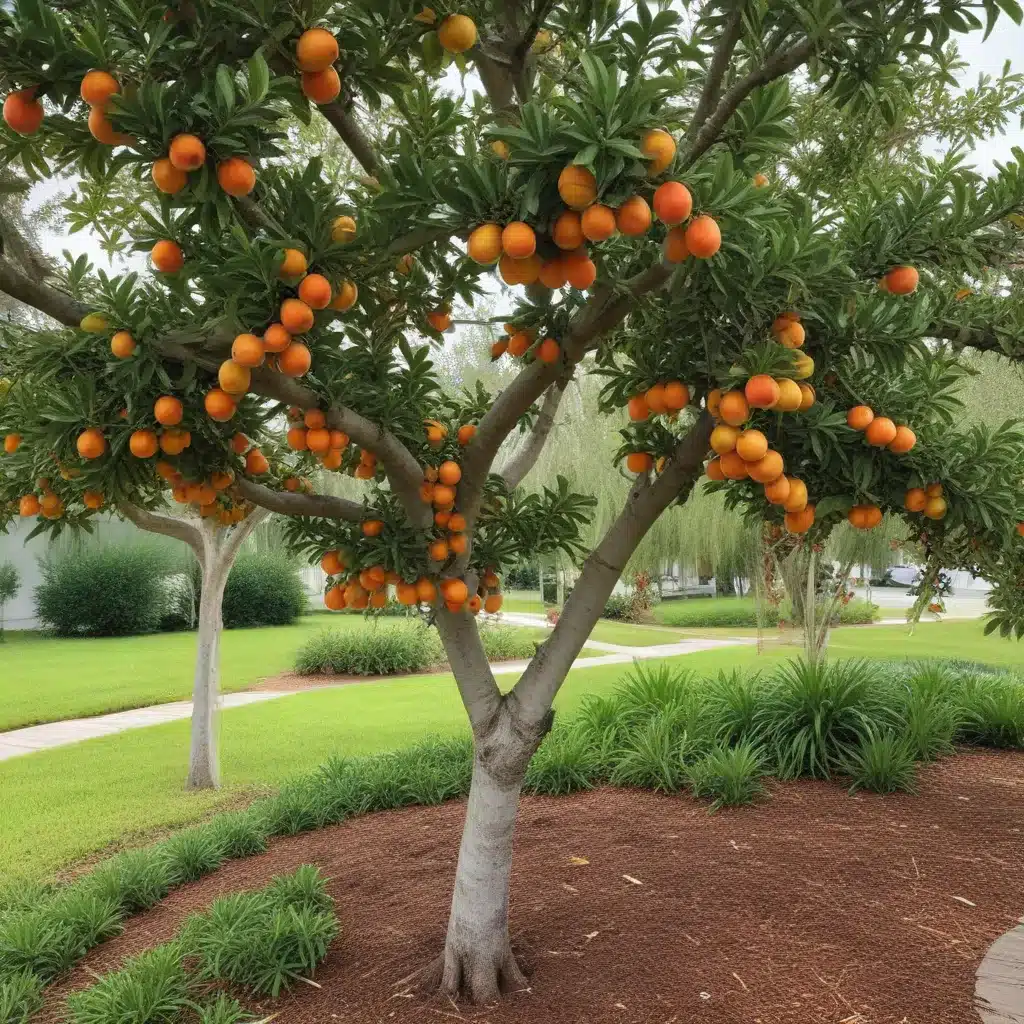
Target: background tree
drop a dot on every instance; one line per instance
(741, 291)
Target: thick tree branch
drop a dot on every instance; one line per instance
(169, 526)
(520, 464)
(353, 136)
(984, 338)
(730, 36)
(538, 685)
(240, 533)
(290, 503)
(47, 299)
(477, 686)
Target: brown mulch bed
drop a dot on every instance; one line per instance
(814, 907)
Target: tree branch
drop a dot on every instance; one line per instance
(520, 464)
(538, 685)
(47, 299)
(238, 536)
(169, 526)
(290, 503)
(985, 338)
(353, 136)
(468, 660)
(716, 72)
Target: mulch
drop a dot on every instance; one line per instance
(813, 907)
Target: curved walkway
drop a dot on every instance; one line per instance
(999, 991)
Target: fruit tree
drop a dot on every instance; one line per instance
(623, 173)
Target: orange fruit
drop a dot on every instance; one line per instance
(457, 33)
(346, 297)
(234, 379)
(406, 594)
(581, 274)
(934, 490)
(296, 316)
(455, 591)
(439, 320)
(554, 273)
(714, 470)
(767, 469)
(97, 87)
(915, 499)
(222, 479)
(803, 366)
(525, 271)
(724, 438)
(239, 443)
(167, 178)
(11, 443)
(518, 345)
(466, 433)
(457, 522)
(639, 462)
(256, 463)
(674, 248)
(91, 443)
(372, 527)
(760, 180)
(485, 244)
(426, 592)
(733, 467)
(703, 237)
(633, 217)
(167, 256)
(935, 508)
(880, 432)
(343, 230)
(339, 440)
(751, 445)
(714, 402)
(103, 131)
(248, 350)
(28, 505)
(800, 522)
(598, 223)
(493, 603)
(762, 392)
(122, 344)
(168, 410)
(790, 395)
(174, 442)
(316, 50)
(318, 439)
(567, 231)
(638, 408)
(314, 419)
(449, 473)
(295, 360)
(23, 112)
(672, 203)
(143, 444)
(797, 499)
(276, 338)
(518, 240)
(577, 186)
(904, 440)
(441, 519)
(778, 491)
(1020, 529)
(499, 348)
(296, 438)
(219, 405)
(321, 86)
(187, 153)
(458, 543)
(334, 599)
(790, 333)
(92, 499)
(677, 395)
(236, 176)
(901, 280)
(549, 351)
(501, 149)
(315, 291)
(860, 417)
(437, 551)
(294, 263)
(444, 495)
(660, 149)
(807, 397)
(733, 408)
(857, 517)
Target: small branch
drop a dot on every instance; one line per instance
(240, 533)
(258, 217)
(43, 297)
(353, 137)
(983, 338)
(520, 464)
(169, 526)
(716, 72)
(417, 239)
(290, 503)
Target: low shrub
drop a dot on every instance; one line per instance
(728, 776)
(263, 590)
(745, 613)
(882, 762)
(21, 995)
(104, 591)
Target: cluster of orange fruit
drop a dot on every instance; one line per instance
(519, 340)
(315, 54)
(309, 432)
(210, 496)
(51, 505)
(456, 33)
(438, 489)
(928, 500)
(880, 431)
(662, 399)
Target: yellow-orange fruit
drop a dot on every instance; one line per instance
(346, 297)
(91, 443)
(97, 87)
(187, 152)
(174, 442)
(296, 316)
(790, 333)
(12, 442)
(598, 223)
(236, 176)
(660, 149)
(167, 256)
(295, 360)
(318, 439)
(777, 492)
(724, 438)
(276, 338)
(466, 433)
(567, 231)
(316, 50)
(321, 86)
(767, 469)
(484, 244)
(233, 379)
(639, 462)
(656, 399)
(807, 397)
(935, 508)
(455, 590)
(554, 273)
(103, 131)
(343, 230)
(294, 264)
(762, 392)
(880, 432)
(440, 320)
(167, 178)
(315, 291)
(860, 417)
(638, 408)
(901, 280)
(334, 599)
(577, 186)
(800, 522)
(760, 180)
(143, 444)
(493, 603)
(92, 499)
(915, 499)
(790, 395)
(457, 33)
(168, 410)
(518, 240)
(733, 467)
(904, 440)
(449, 473)
(797, 499)
(122, 345)
(581, 274)
(256, 462)
(677, 395)
(548, 351)
(674, 248)
(733, 408)
(28, 505)
(248, 350)
(426, 592)
(672, 203)
(703, 237)
(437, 551)
(751, 445)
(714, 470)
(714, 402)
(23, 112)
(633, 217)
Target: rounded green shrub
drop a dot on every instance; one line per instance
(263, 590)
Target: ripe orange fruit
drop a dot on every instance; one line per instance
(97, 87)
(458, 543)
(236, 176)
(901, 280)
(219, 405)
(525, 271)
(807, 397)
(318, 439)
(518, 344)
(92, 499)
(314, 419)
(672, 203)
(797, 499)
(518, 240)
(346, 297)
(714, 470)
(406, 594)
(567, 231)
(800, 522)
(733, 467)
(315, 291)
(23, 112)
(321, 86)
(167, 178)
(660, 149)
(639, 462)
(296, 316)
(675, 249)
(457, 522)
(714, 402)
(239, 443)
(915, 499)
(935, 508)
(762, 392)
(339, 440)
(904, 440)
(248, 350)
(778, 491)
(581, 274)
(187, 152)
(449, 473)
(724, 438)
(441, 519)
(790, 395)
(767, 469)
(234, 379)
(334, 599)
(143, 444)
(91, 443)
(296, 438)
(934, 490)
(703, 237)
(28, 505)
(276, 338)
(760, 180)
(316, 50)
(1020, 529)
(372, 527)
(577, 186)
(485, 244)
(677, 395)
(499, 348)
(256, 462)
(343, 230)
(860, 417)
(439, 320)
(292, 484)
(598, 223)
(466, 433)
(457, 33)
(493, 603)
(790, 333)
(11, 443)
(103, 131)
(444, 495)
(167, 256)
(174, 442)
(633, 217)
(295, 360)
(222, 479)
(880, 432)
(501, 149)
(294, 263)
(549, 351)
(455, 591)
(751, 445)
(963, 293)
(168, 410)
(122, 344)
(734, 409)
(437, 551)
(426, 592)
(638, 408)
(554, 273)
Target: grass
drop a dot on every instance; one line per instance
(523, 601)
(632, 636)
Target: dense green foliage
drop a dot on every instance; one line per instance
(707, 613)
(263, 590)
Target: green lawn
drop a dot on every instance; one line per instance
(120, 789)
(632, 636)
(523, 601)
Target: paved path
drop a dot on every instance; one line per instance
(999, 989)
(59, 734)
